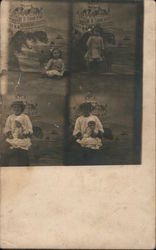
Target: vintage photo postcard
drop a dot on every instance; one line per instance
(73, 88)
(77, 124)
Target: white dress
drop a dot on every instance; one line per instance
(95, 47)
(81, 126)
(89, 142)
(25, 128)
(55, 67)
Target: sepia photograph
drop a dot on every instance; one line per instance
(36, 84)
(77, 124)
(105, 105)
(71, 93)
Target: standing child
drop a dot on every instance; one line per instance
(18, 131)
(55, 66)
(95, 47)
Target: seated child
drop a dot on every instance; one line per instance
(18, 128)
(55, 66)
(90, 139)
(18, 131)
(19, 139)
(88, 129)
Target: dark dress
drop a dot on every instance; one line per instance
(14, 157)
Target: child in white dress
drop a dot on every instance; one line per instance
(18, 131)
(55, 66)
(19, 140)
(90, 139)
(88, 129)
(95, 48)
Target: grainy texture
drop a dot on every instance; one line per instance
(103, 207)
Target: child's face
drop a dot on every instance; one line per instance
(56, 54)
(17, 109)
(86, 112)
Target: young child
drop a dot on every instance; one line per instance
(90, 139)
(19, 138)
(95, 47)
(88, 127)
(18, 131)
(55, 66)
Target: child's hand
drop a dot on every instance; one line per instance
(27, 135)
(9, 135)
(100, 134)
(93, 134)
(79, 136)
(21, 136)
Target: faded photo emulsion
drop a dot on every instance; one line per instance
(73, 83)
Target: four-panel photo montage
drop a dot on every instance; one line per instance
(71, 93)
